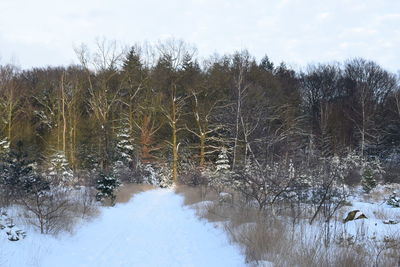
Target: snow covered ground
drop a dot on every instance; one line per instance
(378, 214)
(152, 229)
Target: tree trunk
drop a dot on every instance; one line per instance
(10, 117)
(174, 142)
(64, 133)
(202, 149)
(237, 128)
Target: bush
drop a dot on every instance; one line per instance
(7, 225)
(58, 209)
(394, 201)
(48, 210)
(193, 177)
(265, 185)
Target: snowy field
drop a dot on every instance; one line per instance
(152, 229)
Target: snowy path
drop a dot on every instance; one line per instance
(152, 229)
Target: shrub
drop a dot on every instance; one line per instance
(48, 210)
(193, 177)
(7, 225)
(394, 201)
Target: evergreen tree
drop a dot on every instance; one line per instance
(4, 147)
(18, 176)
(106, 185)
(222, 163)
(132, 63)
(124, 152)
(266, 64)
(124, 147)
(149, 174)
(368, 181)
(164, 175)
(59, 171)
(370, 170)
(7, 225)
(394, 200)
(222, 174)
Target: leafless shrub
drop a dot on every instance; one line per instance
(85, 204)
(388, 250)
(265, 185)
(48, 210)
(58, 209)
(193, 177)
(326, 191)
(4, 201)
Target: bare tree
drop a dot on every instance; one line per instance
(104, 91)
(10, 99)
(370, 85)
(241, 66)
(174, 53)
(206, 129)
(319, 86)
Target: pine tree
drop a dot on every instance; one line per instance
(124, 147)
(266, 64)
(164, 175)
(222, 163)
(124, 152)
(18, 176)
(368, 181)
(132, 63)
(106, 185)
(149, 175)
(394, 200)
(7, 225)
(4, 154)
(59, 171)
(370, 170)
(4, 147)
(222, 173)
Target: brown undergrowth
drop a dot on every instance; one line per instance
(285, 241)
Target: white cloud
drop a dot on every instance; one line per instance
(323, 16)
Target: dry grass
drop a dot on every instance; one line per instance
(236, 215)
(264, 237)
(381, 193)
(193, 195)
(127, 191)
(384, 214)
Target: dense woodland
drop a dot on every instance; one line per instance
(159, 106)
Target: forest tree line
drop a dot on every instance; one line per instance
(160, 105)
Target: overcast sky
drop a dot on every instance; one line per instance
(44, 32)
